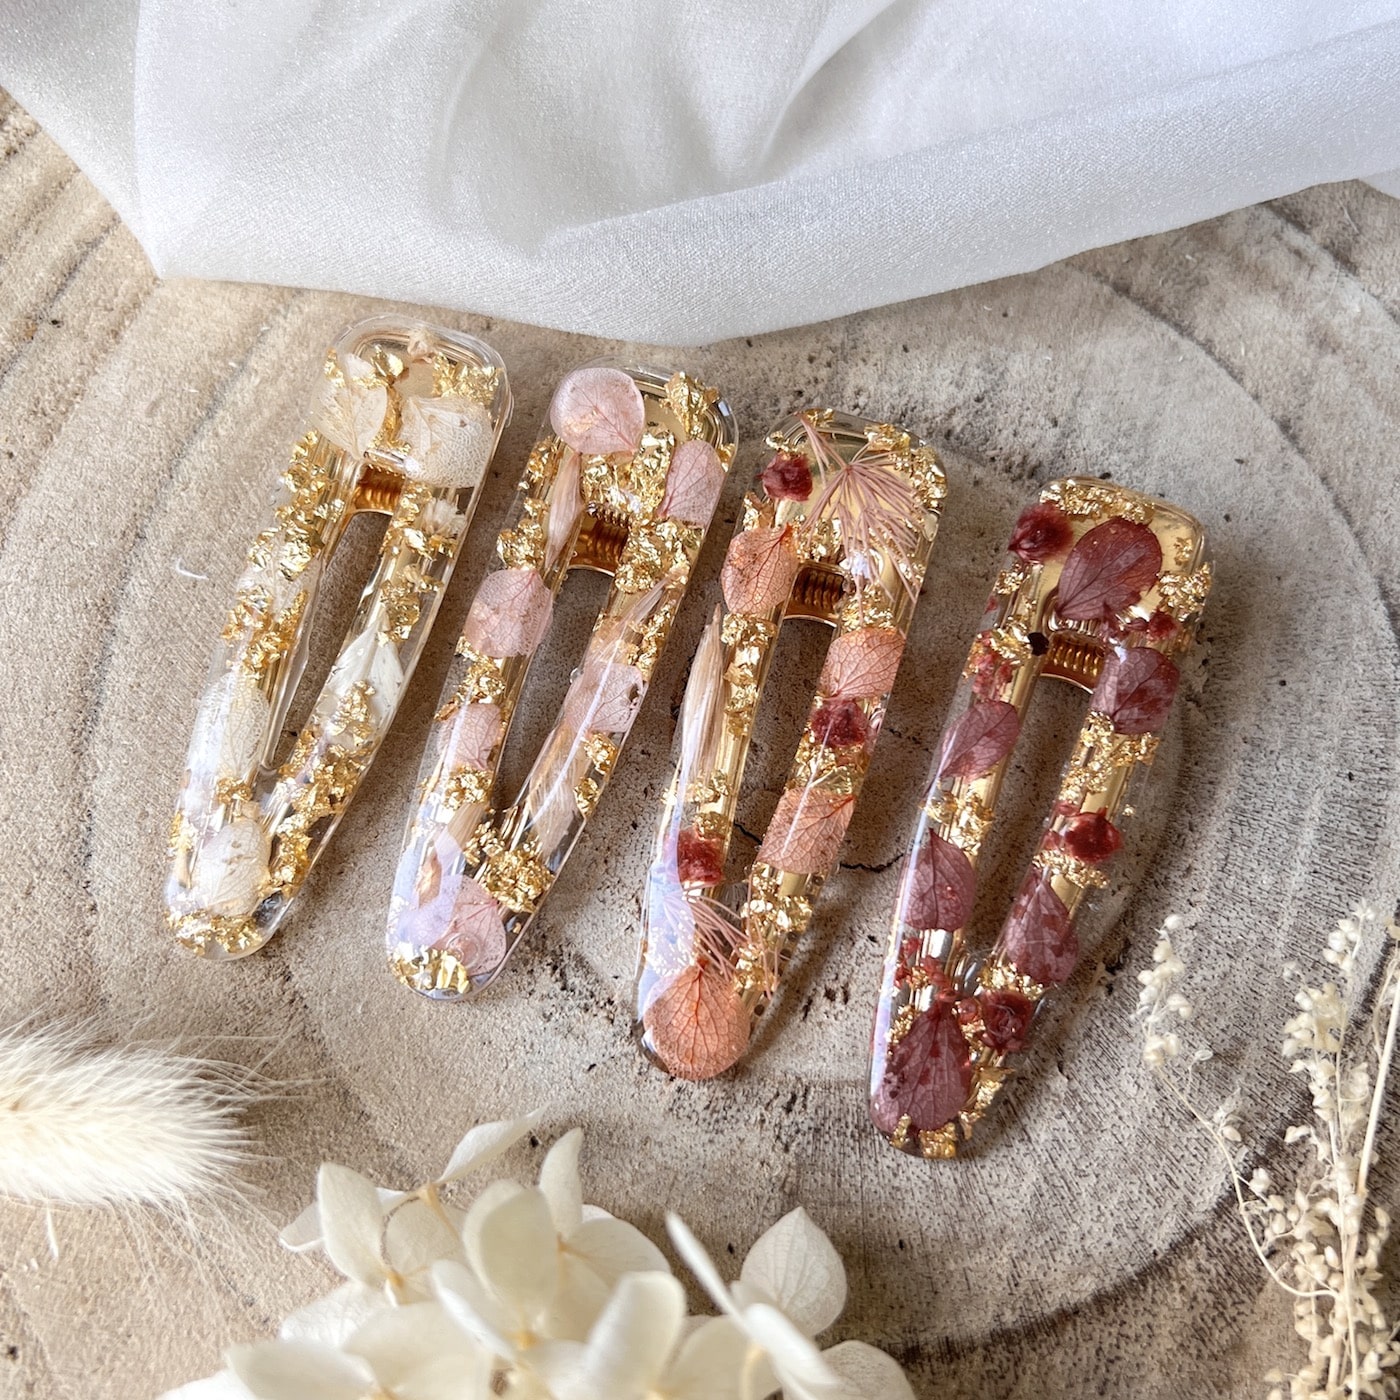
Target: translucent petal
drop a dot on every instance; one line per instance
(868, 1372)
(300, 1371)
(793, 1355)
(224, 1386)
(560, 1183)
(699, 1263)
(333, 1319)
(612, 1248)
(518, 1252)
(709, 1364)
(305, 1231)
(416, 1237)
(418, 1353)
(472, 1308)
(352, 1222)
(489, 1198)
(798, 1268)
(577, 1303)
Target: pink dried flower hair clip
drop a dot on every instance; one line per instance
(623, 480)
(1103, 588)
(403, 423)
(839, 529)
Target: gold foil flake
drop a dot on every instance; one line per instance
(293, 853)
(998, 975)
(654, 632)
(602, 752)
(902, 1020)
(230, 792)
(353, 719)
(987, 1086)
(387, 364)
(180, 840)
(655, 550)
(886, 437)
(1010, 580)
(514, 876)
(1183, 595)
(524, 546)
(586, 795)
(269, 633)
(202, 933)
(1184, 550)
(939, 1144)
(429, 970)
(820, 540)
(1099, 752)
(402, 596)
(465, 381)
(926, 476)
(837, 770)
(690, 401)
(714, 826)
(756, 513)
(747, 633)
(869, 605)
(483, 679)
(964, 819)
(771, 918)
(542, 464)
(740, 706)
(1097, 500)
(645, 474)
(1077, 872)
(465, 787)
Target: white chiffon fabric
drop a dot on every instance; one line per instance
(684, 172)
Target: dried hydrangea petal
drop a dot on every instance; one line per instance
(1038, 939)
(759, 569)
(510, 613)
(605, 698)
(474, 732)
(1136, 688)
(1110, 569)
(808, 827)
(449, 440)
(351, 414)
(928, 1074)
(840, 723)
(598, 411)
(693, 484)
(941, 888)
(863, 663)
(475, 933)
(1006, 1019)
(979, 739)
(230, 869)
(696, 1023)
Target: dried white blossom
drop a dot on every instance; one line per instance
(1321, 1239)
(529, 1293)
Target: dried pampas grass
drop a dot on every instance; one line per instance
(116, 1127)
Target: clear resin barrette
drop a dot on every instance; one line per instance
(622, 480)
(1103, 588)
(403, 424)
(840, 530)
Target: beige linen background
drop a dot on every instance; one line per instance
(1245, 368)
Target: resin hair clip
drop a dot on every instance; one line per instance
(623, 480)
(840, 530)
(1103, 588)
(404, 423)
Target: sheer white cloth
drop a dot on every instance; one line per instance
(679, 173)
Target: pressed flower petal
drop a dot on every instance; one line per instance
(862, 664)
(517, 1252)
(868, 1372)
(1136, 688)
(699, 1263)
(928, 1074)
(577, 1304)
(351, 414)
(1108, 570)
(693, 484)
(696, 1023)
(796, 1266)
(486, 1142)
(472, 733)
(604, 698)
(305, 1231)
(941, 888)
(449, 440)
(300, 1371)
(476, 933)
(510, 613)
(598, 411)
(352, 1223)
(808, 826)
(560, 1182)
(979, 739)
(1038, 939)
(230, 872)
(759, 569)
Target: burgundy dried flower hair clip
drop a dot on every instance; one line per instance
(1104, 588)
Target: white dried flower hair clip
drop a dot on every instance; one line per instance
(403, 424)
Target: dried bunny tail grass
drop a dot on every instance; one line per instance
(117, 1127)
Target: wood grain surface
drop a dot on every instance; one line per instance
(1245, 368)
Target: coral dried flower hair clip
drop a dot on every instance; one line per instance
(840, 529)
(1103, 588)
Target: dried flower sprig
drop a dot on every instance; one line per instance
(1321, 1239)
(528, 1292)
(116, 1127)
